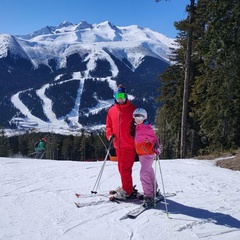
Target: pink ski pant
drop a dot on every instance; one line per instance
(147, 175)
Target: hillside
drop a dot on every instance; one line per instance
(65, 76)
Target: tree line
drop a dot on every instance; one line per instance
(213, 109)
(84, 147)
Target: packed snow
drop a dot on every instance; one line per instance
(37, 202)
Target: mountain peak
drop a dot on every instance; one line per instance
(64, 24)
(83, 25)
(87, 60)
(11, 45)
(107, 23)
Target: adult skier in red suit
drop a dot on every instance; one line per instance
(120, 129)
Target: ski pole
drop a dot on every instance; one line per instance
(101, 171)
(31, 153)
(164, 193)
(155, 181)
(42, 155)
(103, 143)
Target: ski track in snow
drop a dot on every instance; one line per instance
(37, 202)
(55, 123)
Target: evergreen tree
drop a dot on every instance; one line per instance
(169, 114)
(216, 90)
(214, 103)
(53, 146)
(67, 150)
(23, 144)
(4, 146)
(76, 148)
(83, 142)
(171, 98)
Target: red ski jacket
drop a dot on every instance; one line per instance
(118, 122)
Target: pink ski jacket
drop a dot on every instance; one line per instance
(145, 139)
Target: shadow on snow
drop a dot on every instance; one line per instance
(205, 215)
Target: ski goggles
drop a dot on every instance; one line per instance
(120, 95)
(138, 116)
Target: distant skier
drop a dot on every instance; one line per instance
(40, 148)
(147, 146)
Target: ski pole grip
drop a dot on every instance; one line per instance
(111, 141)
(111, 138)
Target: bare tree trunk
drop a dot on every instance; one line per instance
(183, 147)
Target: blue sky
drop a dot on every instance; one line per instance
(26, 16)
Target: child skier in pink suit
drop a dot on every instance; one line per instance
(147, 146)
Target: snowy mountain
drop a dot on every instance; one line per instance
(65, 76)
(37, 202)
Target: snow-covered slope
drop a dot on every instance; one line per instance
(79, 66)
(37, 202)
(9, 43)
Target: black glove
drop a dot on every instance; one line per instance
(112, 138)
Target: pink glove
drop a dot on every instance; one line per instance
(157, 151)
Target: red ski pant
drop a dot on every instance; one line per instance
(126, 158)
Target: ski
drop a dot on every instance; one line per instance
(138, 198)
(90, 195)
(108, 199)
(92, 203)
(137, 211)
(78, 195)
(78, 205)
(135, 200)
(170, 195)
